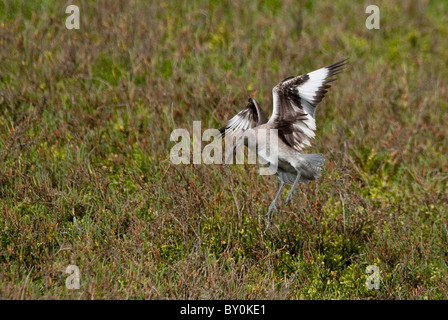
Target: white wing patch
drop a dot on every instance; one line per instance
(239, 122)
(308, 90)
(295, 103)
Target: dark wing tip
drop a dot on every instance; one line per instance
(337, 67)
(222, 132)
(287, 78)
(333, 69)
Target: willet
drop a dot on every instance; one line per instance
(295, 100)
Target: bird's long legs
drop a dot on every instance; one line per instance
(289, 197)
(273, 206)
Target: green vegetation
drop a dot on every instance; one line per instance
(85, 175)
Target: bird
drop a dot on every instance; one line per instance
(295, 100)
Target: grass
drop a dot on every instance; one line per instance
(85, 173)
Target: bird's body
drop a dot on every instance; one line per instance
(291, 127)
(286, 160)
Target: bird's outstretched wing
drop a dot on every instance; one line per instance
(244, 119)
(296, 100)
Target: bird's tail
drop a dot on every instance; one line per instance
(316, 160)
